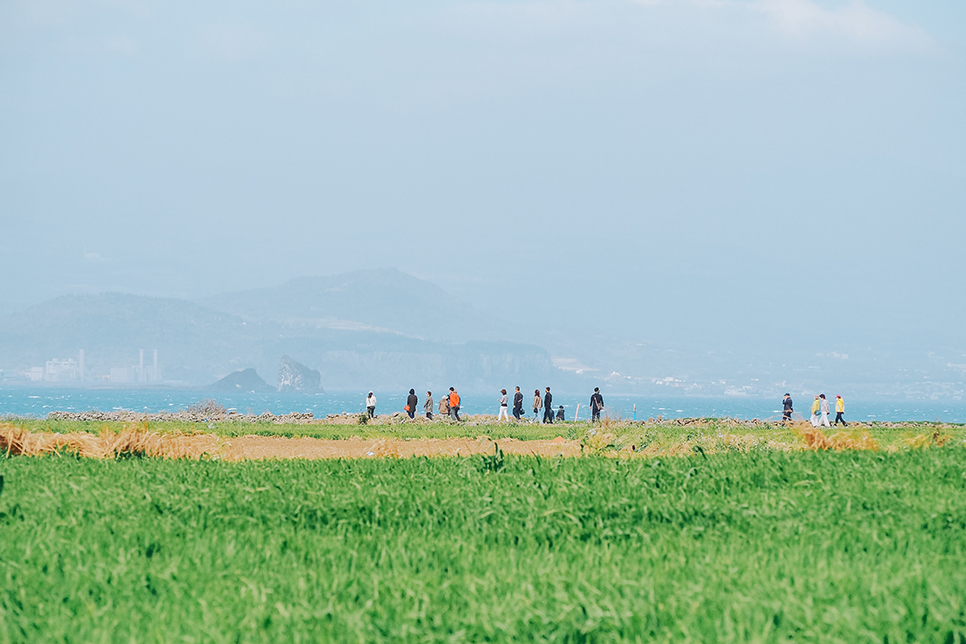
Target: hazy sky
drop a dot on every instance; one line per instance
(657, 169)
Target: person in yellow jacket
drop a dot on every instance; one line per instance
(840, 410)
(816, 404)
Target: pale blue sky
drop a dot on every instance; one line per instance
(719, 171)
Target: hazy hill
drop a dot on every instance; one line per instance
(384, 300)
(419, 337)
(246, 380)
(193, 341)
(384, 329)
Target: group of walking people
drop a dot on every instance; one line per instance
(544, 402)
(820, 411)
(449, 405)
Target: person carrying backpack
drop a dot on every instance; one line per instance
(517, 404)
(596, 404)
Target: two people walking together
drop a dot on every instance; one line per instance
(544, 404)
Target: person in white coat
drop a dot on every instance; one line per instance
(824, 407)
(371, 404)
(503, 407)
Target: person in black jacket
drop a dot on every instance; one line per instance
(596, 404)
(411, 403)
(547, 409)
(787, 408)
(518, 404)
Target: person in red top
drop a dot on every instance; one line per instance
(454, 404)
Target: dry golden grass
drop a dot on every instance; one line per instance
(922, 441)
(815, 439)
(130, 441)
(138, 440)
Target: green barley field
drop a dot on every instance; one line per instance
(742, 547)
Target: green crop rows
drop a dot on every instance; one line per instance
(830, 547)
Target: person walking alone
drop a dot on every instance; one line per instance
(454, 404)
(503, 407)
(428, 405)
(371, 404)
(840, 411)
(547, 409)
(824, 408)
(411, 403)
(787, 408)
(537, 403)
(517, 404)
(815, 407)
(596, 404)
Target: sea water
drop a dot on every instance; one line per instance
(37, 402)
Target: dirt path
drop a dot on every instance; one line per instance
(249, 447)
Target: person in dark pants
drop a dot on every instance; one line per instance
(596, 404)
(840, 411)
(787, 408)
(411, 403)
(560, 413)
(518, 404)
(537, 404)
(547, 408)
(428, 405)
(371, 405)
(454, 404)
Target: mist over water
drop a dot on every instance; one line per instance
(37, 403)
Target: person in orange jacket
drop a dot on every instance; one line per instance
(454, 404)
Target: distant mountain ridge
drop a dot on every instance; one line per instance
(381, 301)
(388, 330)
(112, 327)
(360, 330)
